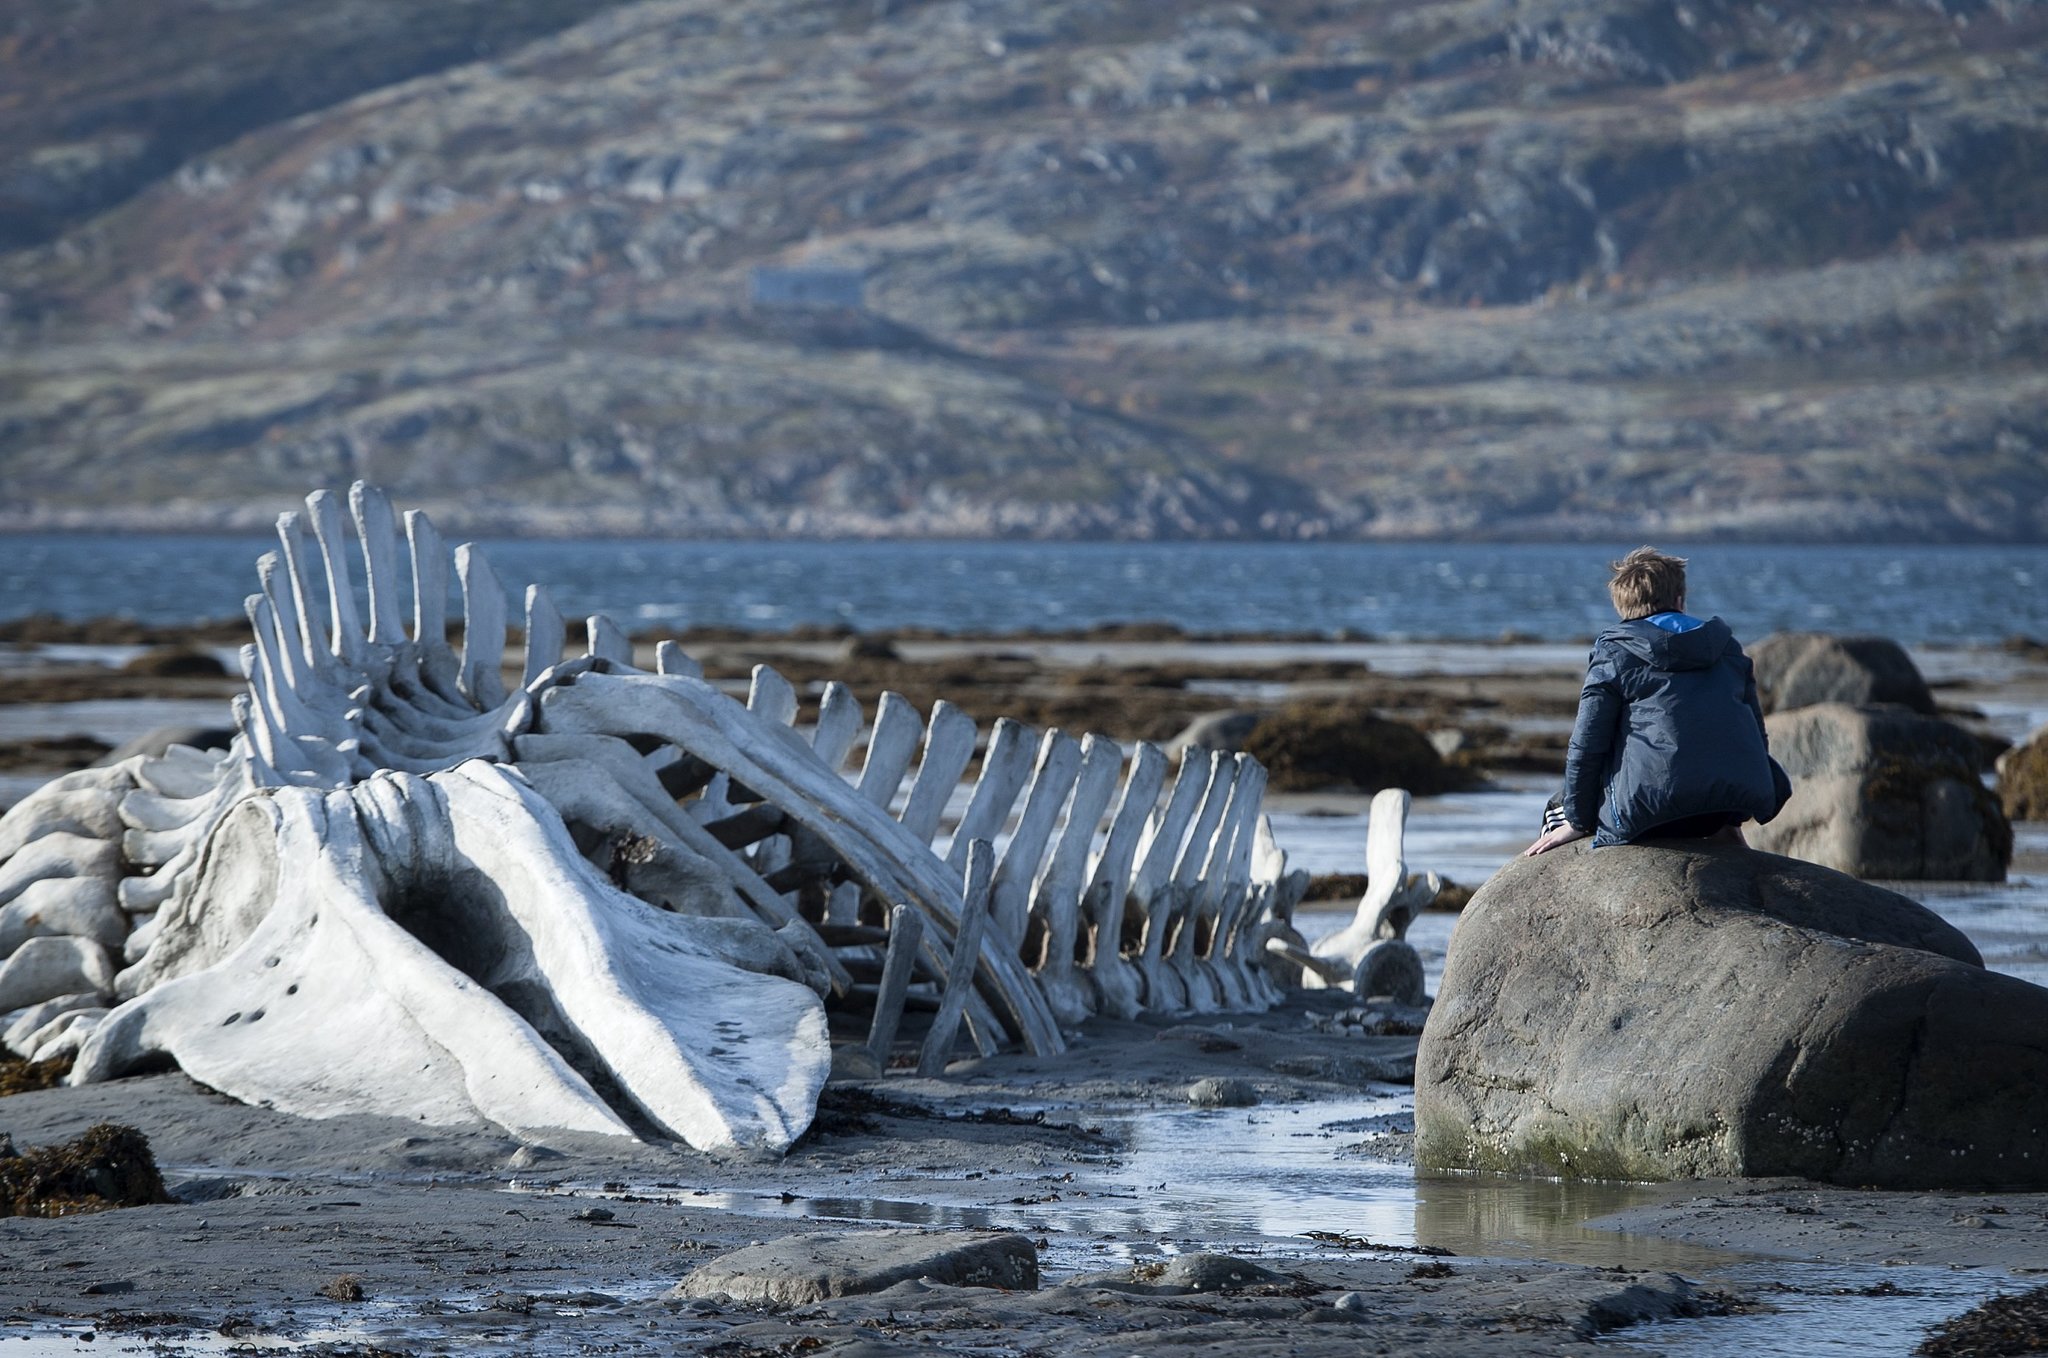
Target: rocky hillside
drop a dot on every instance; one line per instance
(1348, 268)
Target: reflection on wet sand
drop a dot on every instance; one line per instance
(1502, 1217)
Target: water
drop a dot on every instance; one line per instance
(1827, 1311)
(1918, 594)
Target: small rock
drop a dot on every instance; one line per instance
(176, 662)
(1352, 1301)
(800, 1269)
(1222, 1091)
(594, 1214)
(1215, 1273)
(864, 646)
(531, 1154)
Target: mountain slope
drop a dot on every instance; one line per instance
(1563, 267)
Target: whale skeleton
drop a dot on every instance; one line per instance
(600, 898)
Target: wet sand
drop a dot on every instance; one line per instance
(462, 1239)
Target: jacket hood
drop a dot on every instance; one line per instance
(1673, 641)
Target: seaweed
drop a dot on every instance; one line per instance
(2013, 1324)
(109, 1166)
(22, 1077)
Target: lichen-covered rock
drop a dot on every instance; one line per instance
(1883, 792)
(1802, 669)
(2023, 778)
(1651, 1012)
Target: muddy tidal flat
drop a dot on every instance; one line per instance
(362, 1235)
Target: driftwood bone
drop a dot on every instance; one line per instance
(602, 898)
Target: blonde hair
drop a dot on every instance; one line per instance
(1646, 581)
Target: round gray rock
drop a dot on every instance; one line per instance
(1215, 1273)
(1226, 731)
(1886, 793)
(1800, 669)
(1648, 1012)
(1222, 1091)
(798, 1269)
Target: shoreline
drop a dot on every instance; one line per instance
(465, 1238)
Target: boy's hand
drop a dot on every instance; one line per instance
(1563, 834)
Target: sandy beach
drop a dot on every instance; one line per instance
(465, 1240)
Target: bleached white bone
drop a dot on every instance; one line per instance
(88, 812)
(892, 744)
(88, 907)
(1391, 899)
(670, 658)
(698, 718)
(483, 628)
(607, 640)
(336, 713)
(1119, 990)
(1004, 768)
(938, 1042)
(1056, 896)
(1052, 778)
(1152, 886)
(839, 723)
(45, 968)
(948, 749)
(60, 855)
(21, 1024)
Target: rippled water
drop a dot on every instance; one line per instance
(1917, 594)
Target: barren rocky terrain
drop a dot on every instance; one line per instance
(1559, 268)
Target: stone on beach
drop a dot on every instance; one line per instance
(1805, 669)
(2023, 778)
(1650, 1012)
(1226, 730)
(1222, 1091)
(798, 1269)
(1317, 746)
(1886, 793)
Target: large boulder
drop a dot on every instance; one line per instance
(2023, 778)
(1317, 746)
(1883, 792)
(1660, 1012)
(1801, 669)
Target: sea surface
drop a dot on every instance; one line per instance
(1917, 594)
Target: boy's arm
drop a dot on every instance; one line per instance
(1593, 736)
(1749, 696)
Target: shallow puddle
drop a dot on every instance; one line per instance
(1825, 1310)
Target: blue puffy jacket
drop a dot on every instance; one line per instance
(1669, 727)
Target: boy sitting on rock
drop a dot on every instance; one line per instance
(1669, 742)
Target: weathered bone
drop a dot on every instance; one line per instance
(1118, 986)
(399, 857)
(1390, 902)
